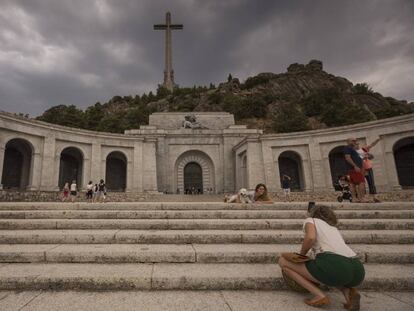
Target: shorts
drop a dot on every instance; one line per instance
(336, 270)
(74, 193)
(356, 177)
(286, 190)
(65, 194)
(89, 194)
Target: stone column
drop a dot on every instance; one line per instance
(137, 167)
(319, 168)
(50, 165)
(389, 168)
(150, 165)
(56, 172)
(307, 177)
(2, 151)
(86, 172)
(271, 175)
(255, 168)
(129, 176)
(96, 162)
(36, 173)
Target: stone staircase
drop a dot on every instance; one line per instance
(187, 245)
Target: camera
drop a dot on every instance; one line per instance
(311, 206)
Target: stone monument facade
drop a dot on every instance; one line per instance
(206, 151)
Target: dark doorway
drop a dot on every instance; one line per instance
(193, 177)
(17, 164)
(71, 166)
(116, 170)
(404, 162)
(337, 163)
(290, 164)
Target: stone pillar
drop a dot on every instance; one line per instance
(270, 174)
(319, 168)
(255, 169)
(389, 167)
(307, 175)
(50, 165)
(137, 167)
(96, 163)
(36, 172)
(129, 175)
(56, 172)
(86, 172)
(2, 151)
(380, 167)
(150, 165)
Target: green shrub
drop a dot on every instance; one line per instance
(289, 119)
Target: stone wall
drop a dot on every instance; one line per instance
(51, 196)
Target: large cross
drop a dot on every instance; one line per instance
(168, 72)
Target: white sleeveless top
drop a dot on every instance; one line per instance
(328, 239)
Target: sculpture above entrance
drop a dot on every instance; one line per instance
(191, 120)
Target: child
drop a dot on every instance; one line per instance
(65, 194)
(94, 193)
(286, 187)
(89, 191)
(101, 191)
(73, 191)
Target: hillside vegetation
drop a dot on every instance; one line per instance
(303, 98)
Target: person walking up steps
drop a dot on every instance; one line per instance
(101, 191)
(89, 191)
(73, 191)
(65, 193)
(286, 187)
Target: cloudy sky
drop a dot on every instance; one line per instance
(83, 51)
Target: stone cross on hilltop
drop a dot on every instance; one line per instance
(168, 72)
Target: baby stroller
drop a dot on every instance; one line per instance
(343, 186)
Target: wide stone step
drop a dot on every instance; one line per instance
(192, 236)
(196, 206)
(36, 276)
(190, 253)
(198, 214)
(202, 224)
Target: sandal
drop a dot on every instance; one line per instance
(354, 300)
(324, 301)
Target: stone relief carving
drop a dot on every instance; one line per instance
(190, 122)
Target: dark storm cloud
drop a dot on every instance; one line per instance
(81, 52)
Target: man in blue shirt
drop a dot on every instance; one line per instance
(355, 169)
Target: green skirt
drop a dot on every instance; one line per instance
(336, 270)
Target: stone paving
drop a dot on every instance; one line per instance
(191, 300)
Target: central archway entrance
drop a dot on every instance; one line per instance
(194, 169)
(193, 178)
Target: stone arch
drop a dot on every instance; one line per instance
(290, 163)
(17, 165)
(116, 171)
(71, 166)
(337, 163)
(403, 151)
(200, 158)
